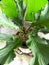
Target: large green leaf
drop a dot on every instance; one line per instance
(7, 52)
(9, 8)
(34, 61)
(43, 23)
(5, 37)
(5, 22)
(36, 5)
(30, 17)
(40, 50)
(33, 7)
(21, 12)
(44, 17)
(20, 8)
(8, 58)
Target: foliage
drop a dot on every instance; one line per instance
(40, 51)
(7, 53)
(15, 14)
(7, 22)
(9, 8)
(35, 6)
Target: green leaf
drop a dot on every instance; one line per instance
(9, 8)
(40, 51)
(36, 5)
(5, 22)
(20, 8)
(43, 22)
(44, 17)
(30, 17)
(21, 11)
(33, 7)
(5, 53)
(8, 58)
(5, 37)
(34, 61)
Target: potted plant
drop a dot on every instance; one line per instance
(26, 16)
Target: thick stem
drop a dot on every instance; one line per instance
(23, 21)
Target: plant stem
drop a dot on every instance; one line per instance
(25, 11)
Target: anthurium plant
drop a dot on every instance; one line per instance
(29, 17)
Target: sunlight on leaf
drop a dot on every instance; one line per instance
(33, 7)
(9, 8)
